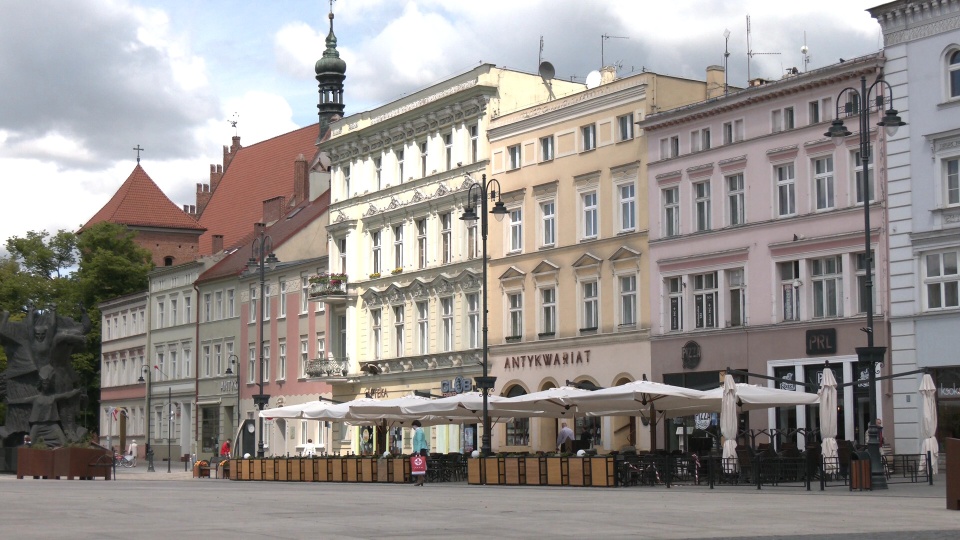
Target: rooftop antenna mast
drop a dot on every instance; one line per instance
(805, 51)
(726, 56)
(603, 38)
(540, 56)
(750, 52)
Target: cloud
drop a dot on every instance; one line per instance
(93, 79)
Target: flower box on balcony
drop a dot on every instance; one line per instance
(397, 271)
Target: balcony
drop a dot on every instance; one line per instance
(330, 288)
(328, 368)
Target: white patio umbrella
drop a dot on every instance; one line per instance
(296, 411)
(554, 402)
(467, 406)
(751, 397)
(828, 420)
(728, 423)
(339, 412)
(928, 422)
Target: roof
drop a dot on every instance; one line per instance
(281, 231)
(257, 172)
(140, 203)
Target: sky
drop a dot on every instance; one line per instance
(86, 81)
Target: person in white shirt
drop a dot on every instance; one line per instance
(565, 439)
(309, 450)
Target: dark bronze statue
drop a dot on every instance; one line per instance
(42, 388)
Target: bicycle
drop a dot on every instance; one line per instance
(127, 461)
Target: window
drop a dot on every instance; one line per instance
(321, 346)
(399, 166)
(446, 238)
(786, 193)
(548, 311)
(342, 248)
(790, 285)
(813, 112)
(304, 356)
(628, 300)
(252, 362)
(378, 170)
(174, 368)
(827, 287)
(473, 320)
(446, 323)
(375, 252)
(823, 182)
(207, 368)
(304, 294)
(231, 303)
(207, 310)
(422, 243)
(953, 69)
(735, 199)
(253, 304)
(625, 127)
(782, 119)
(472, 239)
(675, 302)
(628, 206)
(940, 280)
(218, 359)
(398, 331)
(160, 314)
(733, 132)
(375, 332)
(515, 303)
(861, 270)
(265, 364)
(670, 147)
(448, 150)
(187, 368)
(548, 223)
(516, 230)
(590, 315)
(517, 430)
(700, 140)
(265, 302)
(474, 143)
(705, 300)
(514, 153)
(398, 246)
(423, 328)
(671, 211)
(346, 181)
(701, 203)
(423, 159)
(951, 172)
(589, 202)
(282, 360)
(736, 308)
(546, 148)
(283, 297)
(858, 176)
(588, 137)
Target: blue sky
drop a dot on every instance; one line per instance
(94, 78)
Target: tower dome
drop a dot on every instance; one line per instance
(331, 71)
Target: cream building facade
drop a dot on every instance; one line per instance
(399, 174)
(124, 340)
(567, 272)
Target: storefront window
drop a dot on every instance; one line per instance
(210, 429)
(699, 432)
(786, 417)
(948, 403)
(813, 373)
(518, 429)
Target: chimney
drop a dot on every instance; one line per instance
(216, 174)
(715, 81)
(229, 154)
(273, 209)
(608, 74)
(217, 243)
(301, 180)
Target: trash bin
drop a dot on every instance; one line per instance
(860, 471)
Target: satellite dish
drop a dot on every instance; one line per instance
(546, 70)
(593, 79)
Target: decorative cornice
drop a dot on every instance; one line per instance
(924, 18)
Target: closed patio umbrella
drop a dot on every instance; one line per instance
(928, 423)
(828, 420)
(728, 423)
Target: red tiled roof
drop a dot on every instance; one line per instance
(279, 232)
(257, 172)
(140, 202)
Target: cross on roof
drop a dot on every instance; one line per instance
(138, 149)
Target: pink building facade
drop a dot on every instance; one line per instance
(757, 246)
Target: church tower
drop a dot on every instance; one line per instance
(331, 71)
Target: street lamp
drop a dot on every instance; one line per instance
(858, 103)
(149, 450)
(234, 360)
(261, 258)
(479, 193)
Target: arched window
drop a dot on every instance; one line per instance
(168, 261)
(518, 429)
(953, 74)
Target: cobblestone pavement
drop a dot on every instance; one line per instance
(174, 505)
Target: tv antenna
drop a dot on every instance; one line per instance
(603, 38)
(750, 52)
(726, 56)
(805, 51)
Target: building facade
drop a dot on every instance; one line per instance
(123, 357)
(757, 246)
(567, 277)
(922, 46)
(399, 177)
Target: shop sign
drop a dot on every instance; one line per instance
(822, 341)
(228, 386)
(790, 387)
(690, 355)
(459, 385)
(547, 359)
(377, 393)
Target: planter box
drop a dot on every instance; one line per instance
(368, 469)
(270, 469)
(337, 470)
(384, 470)
(602, 471)
(259, 470)
(475, 471)
(352, 470)
(234, 469)
(307, 468)
(493, 471)
(401, 470)
(514, 471)
(79, 463)
(536, 471)
(578, 471)
(244, 469)
(284, 469)
(322, 469)
(558, 471)
(34, 462)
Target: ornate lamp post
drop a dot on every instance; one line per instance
(261, 258)
(479, 194)
(234, 360)
(149, 450)
(858, 104)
